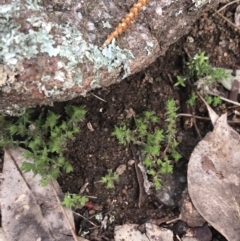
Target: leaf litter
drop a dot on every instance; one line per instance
(30, 211)
(213, 177)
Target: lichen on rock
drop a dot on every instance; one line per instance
(54, 55)
(49, 55)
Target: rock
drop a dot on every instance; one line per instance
(56, 56)
(130, 232)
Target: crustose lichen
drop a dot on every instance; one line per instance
(63, 41)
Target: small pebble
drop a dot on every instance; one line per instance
(131, 162)
(121, 169)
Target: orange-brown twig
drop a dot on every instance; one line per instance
(125, 22)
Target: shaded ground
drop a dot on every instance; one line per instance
(95, 151)
(92, 153)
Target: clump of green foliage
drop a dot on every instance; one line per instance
(199, 72)
(158, 147)
(199, 67)
(44, 139)
(110, 178)
(74, 200)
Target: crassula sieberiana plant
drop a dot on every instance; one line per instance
(158, 147)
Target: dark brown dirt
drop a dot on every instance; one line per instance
(92, 153)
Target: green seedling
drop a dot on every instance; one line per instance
(158, 147)
(192, 99)
(213, 100)
(74, 200)
(199, 66)
(203, 75)
(180, 81)
(43, 138)
(110, 178)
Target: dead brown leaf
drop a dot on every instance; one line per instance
(213, 178)
(30, 211)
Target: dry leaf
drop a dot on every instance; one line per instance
(89, 126)
(213, 178)
(30, 211)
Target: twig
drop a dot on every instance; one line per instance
(174, 220)
(166, 148)
(93, 228)
(219, 10)
(179, 239)
(226, 19)
(111, 208)
(193, 116)
(196, 128)
(83, 188)
(204, 118)
(98, 97)
(140, 180)
(170, 78)
(92, 197)
(229, 101)
(78, 214)
(222, 98)
(64, 213)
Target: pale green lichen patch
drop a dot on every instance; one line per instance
(7, 74)
(199, 3)
(22, 39)
(106, 24)
(149, 44)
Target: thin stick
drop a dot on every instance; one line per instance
(229, 101)
(193, 116)
(83, 188)
(204, 118)
(142, 193)
(98, 97)
(223, 98)
(226, 19)
(92, 197)
(178, 238)
(92, 228)
(196, 128)
(78, 214)
(64, 213)
(174, 220)
(219, 10)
